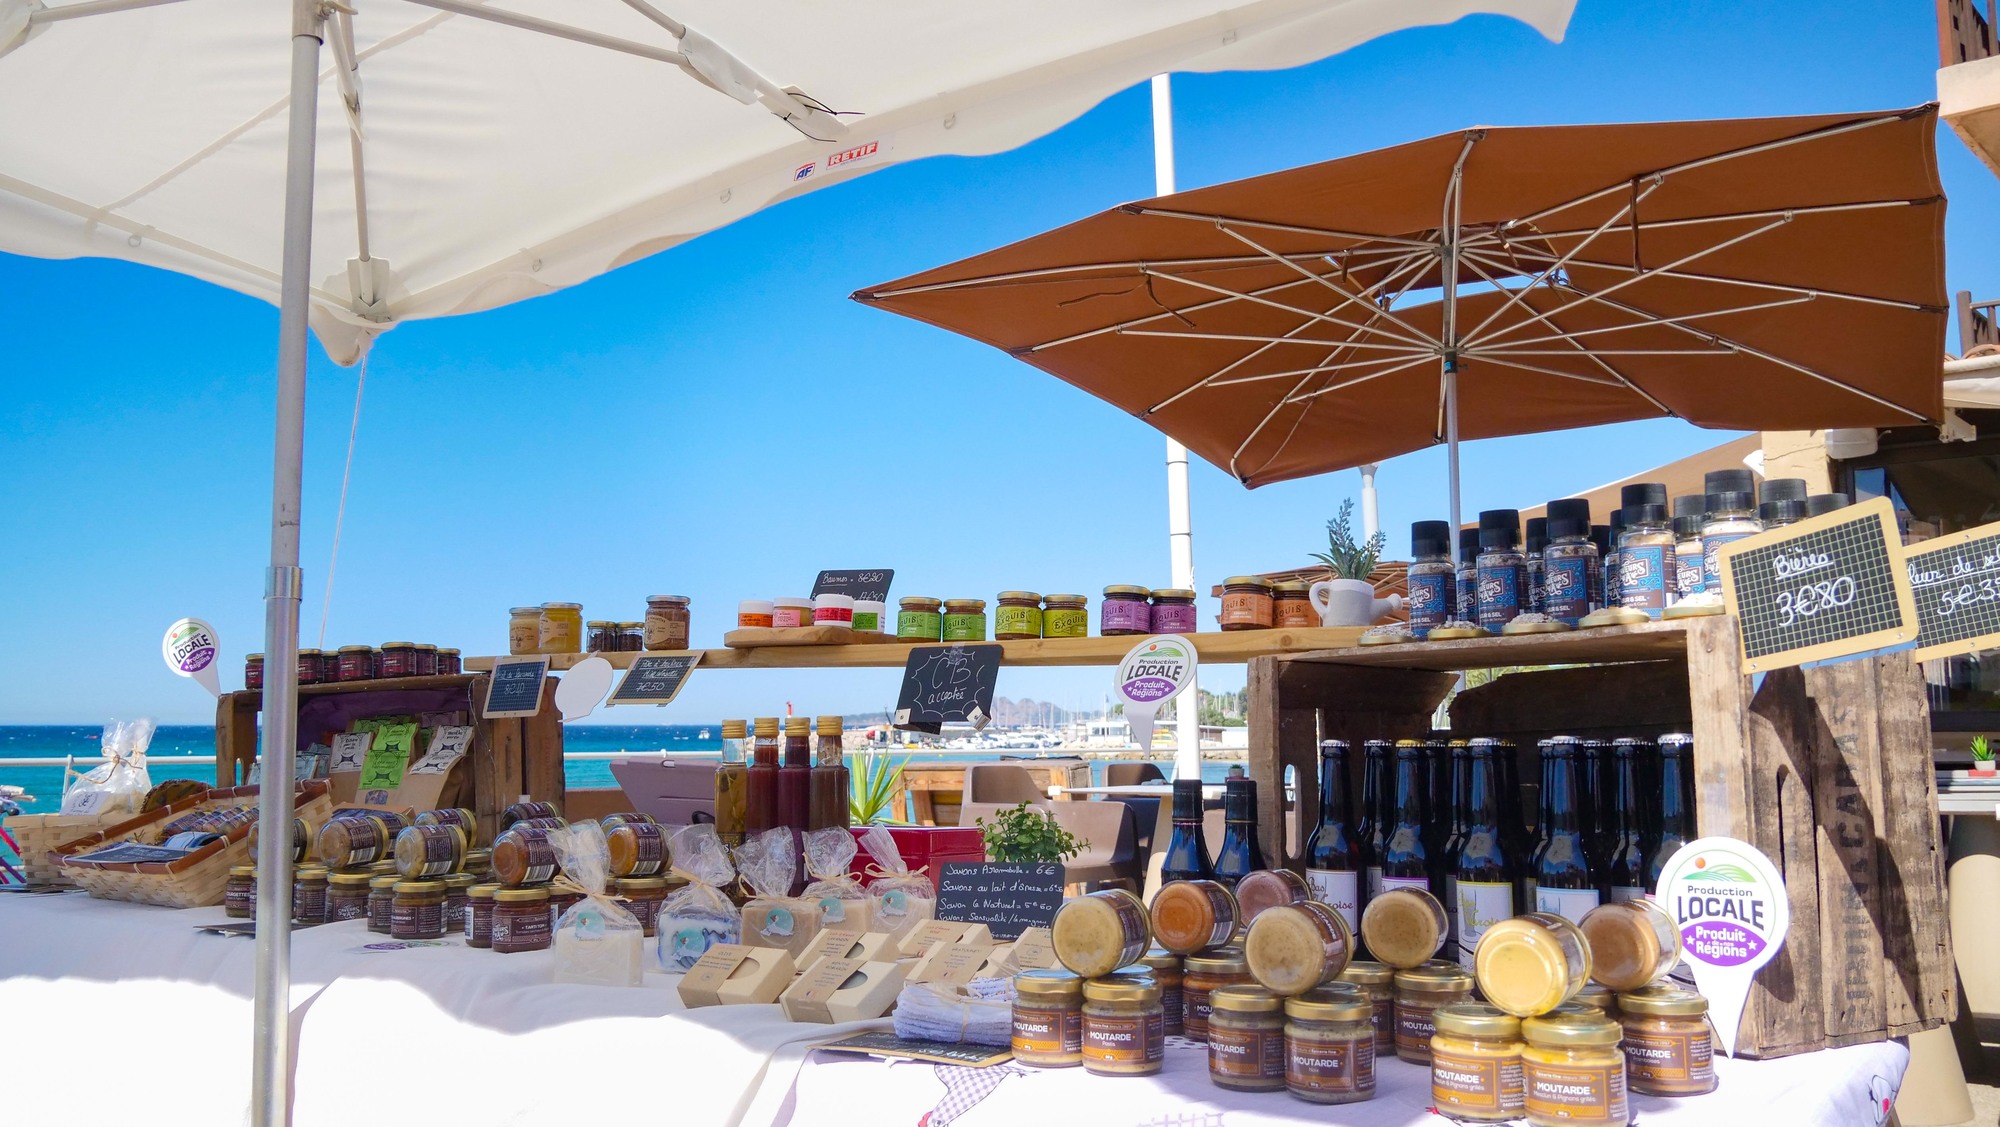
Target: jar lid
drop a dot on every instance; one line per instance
(1025, 596)
(1048, 984)
(562, 606)
(1365, 973)
(258, 658)
(1245, 999)
(1663, 1001)
(474, 858)
(833, 599)
(1127, 589)
(515, 611)
(459, 882)
(419, 887)
(667, 600)
(1435, 977)
(354, 649)
(452, 650)
(389, 881)
(640, 884)
(798, 726)
(735, 729)
(303, 651)
(1632, 943)
(951, 605)
(792, 602)
(351, 880)
(394, 646)
(1143, 989)
(1247, 581)
(520, 895)
(1217, 960)
(1066, 600)
(599, 624)
(629, 625)
(1159, 959)
(754, 606)
(422, 646)
(1287, 946)
(482, 891)
(242, 870)
(1404, 926)
(1565, 1029)
(1595, 996)
(1172, 593)
(767, 725)
(919, 602)
(1292, 587)
(311, 872)
(1334, 1001)
(1476, 1019)
(1529, 964)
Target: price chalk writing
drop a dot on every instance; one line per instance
(1009, 897)
(871, 586)
(514, 688)
(1956, 581)
(1824, 589)
(945, 684)
(655, 680)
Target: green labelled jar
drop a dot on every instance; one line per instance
(1017, 616)
(917, 617)
(965, 620)
(1066, 616)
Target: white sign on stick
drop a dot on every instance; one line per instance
(190, 650)
(1729, 902)
(1152, 673)
(581, 689)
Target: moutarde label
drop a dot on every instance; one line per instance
(1581, 1094)
(1246, 1054)
(1656, 1057)
(1476, 1083)
(1340, 1066)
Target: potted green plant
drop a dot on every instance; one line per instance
(1345, 597)
(874, 786)
(1982, 756)
(1025, 833)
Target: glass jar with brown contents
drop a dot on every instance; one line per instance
(1573, 1072)
(1017, 616)
(638, 849)
(1330, 1045)
(1203, 973)
(667, 621)
(1048, 1019)
(523, 855)
(457, 900)
(521, 920)
(479, 915)
(1270, 888)
(1419, 991)
(351, 842)
(1247, 603)
(427, 660)
(600, 636)
(381, 894)
(449, 662)
(239, 896)
(1669, 1050)
(1476, 1063)
(347, 896)
(1246, 1039)
(1166, 968)
(1291, 605)
(399, 659)
(1378, 982)
(643, 897)
(309, 885)
(1123, 1029)
(1190, 915)
(353, 663)
(417, 912)
(429, 851)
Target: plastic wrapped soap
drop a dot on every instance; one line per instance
(768, 863)
(597, 942)
(903, 900)
(842, 902)
(699, 916)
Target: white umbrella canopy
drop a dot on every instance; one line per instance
(465, 163)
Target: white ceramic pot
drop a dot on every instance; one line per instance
(1350, 602)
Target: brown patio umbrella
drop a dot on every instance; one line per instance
(1760, 274)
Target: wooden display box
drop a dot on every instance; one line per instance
(1826, 770)
(510, 758)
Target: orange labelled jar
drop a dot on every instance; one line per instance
(1476, 1063)
(1189, 915)
(1668, 1048)
(1269, 888)
(1633, 943)
(1248, 603)
(1293, 948)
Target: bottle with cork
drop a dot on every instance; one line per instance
(730, 784)
(829, 785)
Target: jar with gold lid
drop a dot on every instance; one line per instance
(638, 849)
(457, 900)
(1596, 996)
(309, 667)
(525, 810)
(600, 636)
(1166, 968)
(523, 855)
(479, 862)
(1203, 973)
(428, 851)
(427, 660)
(1017, 616)
(353, 663)
(919, 618)
(253, 671)
(351, 842)
(239, 896)
(448, 659)
(524, 630)
(1189, 915)
(1066, 616)
(1291, 605)
(1378, 982)
(458, 816)
(1124, 1031)
(417, 912)
(381, 896)
(347, 896)
(309, 885)
(1293, 948)
(1126, 610)
(521, 920)
(479, 915)
(1669, 1050)
(399, 659)
(1531, 964)
(1330, 1045)
(1476, 1063)
(643, 896)
(667, 623)
(1246, 1039)
(1048, 1019)
(964, 620)
(1633, 944)
(1573, 1073)
(1098, 933)
(1247, 603)
(1173, 611)
(561, 628)
(1420, 991)
(1403, 927)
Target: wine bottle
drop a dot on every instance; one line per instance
(1437, 825)
(1238, 856)
(1625, 854)
(1372, 832)
(1405, 861)
(1564, 880)
(1676, 825)
(1332, 856)
(1187, 851)
(1485, 872)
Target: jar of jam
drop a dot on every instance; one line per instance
(353, 663)
(1125, 610)
(352, 841)
(521, 920)
(457, 900)
(1066, 616)
(638, 849)
(1017, 616)
(1476, 1063)
(1189, 915)
(964, 620)
(1123, 1029)
(479, 915)
(309, 667)
(1097, 933)
(524, 810)
(919, 618)
(1330, 1045)
(381, 896)
(1573, 1073)
(1048, 1019)
(449, 662)
(1202, 974)
(375, 662)
(524, 630)
(253, 671)
(561, 628)
(309, 886)
(643, 897)
(399, 659)
(1419, 991)
(239, 896)
(479, 862)
(600, 636)
(429, 851)
(632, 637)
(1668, 1048)
(1248, 603)
(417, 912)
(523, 855)
(1378, 982)
(427, 660)
(1291, 605)
(1246, 1039)
(1172, 611)
(1293, 948)
(666, 622)
(347, 896)
(1166, 968)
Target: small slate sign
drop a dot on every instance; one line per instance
(514, 688)
(1007, 896)
(885, 1043)
(1956, 580)
(1830, 587)
(655, 680)
(947, 683)
(872, 586)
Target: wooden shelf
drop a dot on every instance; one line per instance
(1653, 641)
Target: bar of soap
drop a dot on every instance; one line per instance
(846, 943)
(786, 924)
(733, 974)
(599, 955)
(866, 992)
(850, 915)
(945, 931)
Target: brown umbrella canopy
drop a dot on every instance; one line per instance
(1760, 274)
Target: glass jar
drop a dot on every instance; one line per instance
(521, 920)
(524, 630)
(600, 636)
(253, 671)
(457, 900)
(301, 839)
(917, 617)
(1432, 577)
(479, 915)
(1378, 982)
(523, 855)
(1246, 1039)
(459, 816)
(1573, 1072)
(1476, 1063)
(631, 637)
(1189, 915)
(667, 622)
(1017, 616)
(399, 659)
(562, 900)
(353, 841)
(1166, 968)
(309, 667)
(1291, 605)
(239, 896)
(1048, 1019)
(1730, 516)
(1419, 991)
(643, 897)
(1202, 974)
(309, 886)
(1126, 610)
(1330, 1045)
(1403, 927)
(1123, 1029)
(831, 608)
(1293, 948)
(524, 811)
(1172, 611)
(381, 894)
(1596, 996)
(449, 664)
(1668, 1048)
(479, 862)
(561, 628)
(1247, 603)
(638, 849)
(353, 663)
(429, 851)
(964, 620)
(1100, 932)
(1065, 616)
(417, 912)
(1633, 943)
(1532, 963)
(427, 660)
(347, 896)
(1270, 888)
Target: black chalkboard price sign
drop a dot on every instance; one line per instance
(1826, 588)
(654, 680)
(870, 586)
(514, 688)
(1007, 896)
(1956, 580)
(943, 684)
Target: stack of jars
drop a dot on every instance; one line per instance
(404, 878)
(361, 663)
(518, 911)
(1105, 1011)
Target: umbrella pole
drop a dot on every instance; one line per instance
(1180, 518)
(270, 1077)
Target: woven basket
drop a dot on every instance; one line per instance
(39, 834)
(194, 881)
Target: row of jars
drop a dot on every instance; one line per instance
(362, 663)
(559, 628)
(1022, 615)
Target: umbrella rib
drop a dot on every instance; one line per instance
(1578, 376)
(1804, 291)
(1316, 370)
(1347, 383)
(1212, 377)
(1294, 397)
(1326, 317)
(1250, 339)
(1569, 335)
(1288, 228)
(1079, 268)
(1254, 245)
(1487, 238)
(1514, 299)
(1122, 326)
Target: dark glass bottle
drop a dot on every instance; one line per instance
(1333, 857)
(1676, 825)
(1520, 820)
(1593, 792)
(1405, 861)
(760, 803)
(1461, 758)
(1486, 869)
(1187, 852)
(1238, 856)
(829, 777)
(1437, 797)
(1372, 831)
(1624, 852)
(795, 775)
(1565, 880)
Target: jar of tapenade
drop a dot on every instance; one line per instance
(1293, 948)
(1476, 1063)
(1202, 974)
(1124, 1031)
(523, 855)
(1017, 616)
(429, 851)
(381, 896)
(1573, 1072)
(427, 660)
(459, 816)
(399, 659)
(638, 849)
(301, 839)
(449, 662)
(1246, 1039)
(521, 920)
(352, 841)
(347, 896)
(1172, 611)
(1633, 943)
(417, 912)
(643, 897)
(479, 915)
(1100, 932)
(457, 900)
(1330, 1045)
(1668, 1048)
(1247, 603)
(667, 622)
(309, 887)
(239, 896)
(253, 671)
(1269, 888)
(918, 617)
(1125, 610)
(309, 667)
(524, 630)
(561, 628)
(1065, 616)
(965, 620)
(1291, 605)
(1189, 915)
(600, 636)
(1378, 982)
(353, 663)
(1532, 963)
(1419, 991)
(1048, 1019)
(1166, 968)
(523, 810)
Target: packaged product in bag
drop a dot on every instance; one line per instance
(842, 902)
(903, 900)
(774, 918)
(120, 784)
(699, 916)
(597, 941)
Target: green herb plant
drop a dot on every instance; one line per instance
(1027, 834)
(873, 786)
(1344, 557)
(1982, 751)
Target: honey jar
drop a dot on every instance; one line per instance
(666, 625)
(1189, 915)
(561, 629)
(524, 630)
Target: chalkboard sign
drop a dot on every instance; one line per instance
(947, 683)
(654, 680)
(1956, 581)
(1826, 588)
(872, 586)
(514, 688)
(885, 1043)
(1007, 896)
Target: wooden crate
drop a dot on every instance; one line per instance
(510, 757)
(1828, 771)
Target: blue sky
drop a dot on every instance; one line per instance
(720, 421)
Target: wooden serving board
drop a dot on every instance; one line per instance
(757, 637)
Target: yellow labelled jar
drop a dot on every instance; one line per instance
(1476, 1063)
(1166, 968)
(1017, 616)
(1419, 992)
(1531, 964)
(1096, 934)
(347, 896)
(1048, 1019)
(1330, 1045)
(1247, 603)
(417, 912)
(1633, 944)
(1403, 927)
(1668, 1048)
(524, 630)
(1124, 1031)
(1378, 982)
(1066, 616)
(1246, 1039)
(1293, 948)
(1202, 974)
(562, 628)
(919, 618)
(1291, 605)
(1269, 888)
(965, 620)
(381, 897)
(1189, 915)
(1573, 1073)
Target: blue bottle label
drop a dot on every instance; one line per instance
(1566, 588)
(1642, 578)
(1430, 602)
(1499, 594)
(1688, 568)
(1711, 567)
(1535, 583)
(1467, 592)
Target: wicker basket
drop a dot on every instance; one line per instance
(39, 834)
(193, 881)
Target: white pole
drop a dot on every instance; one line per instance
(1180, 521)
(270, 1075)
(1371, 506)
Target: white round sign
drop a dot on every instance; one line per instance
(191, 651)
(1729, 902)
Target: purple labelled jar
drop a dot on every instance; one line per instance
(1125, 611)
(1173, 611)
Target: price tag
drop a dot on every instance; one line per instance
(1824, 589)
(870, 586)
(514, 688)
(943, 684)
(1956, 582)
(655, 680)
